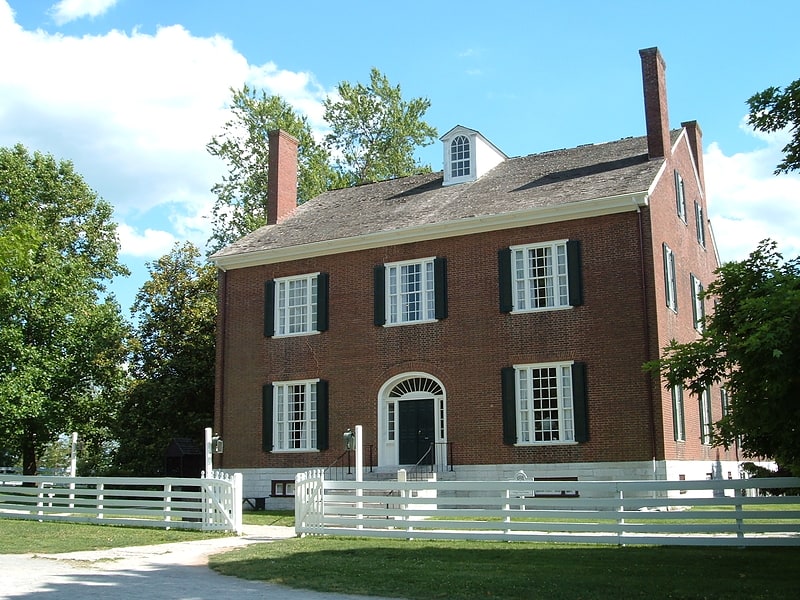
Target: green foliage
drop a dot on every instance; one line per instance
(62, 339)
(374, 131)
(172, 364)
(241, 204)
(775, 109)
(751, 344)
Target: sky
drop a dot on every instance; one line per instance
(131, 91)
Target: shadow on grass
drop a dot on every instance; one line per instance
(467, 571)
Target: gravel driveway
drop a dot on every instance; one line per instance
(176, 571)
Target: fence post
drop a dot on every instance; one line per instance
(621, 520)
(739, 522)
(238, 483)
(100, 497)
(168, 502)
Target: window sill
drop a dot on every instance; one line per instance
(294, 450)
(518, 311)
(421, 322)
(301, 334)
(541, 444)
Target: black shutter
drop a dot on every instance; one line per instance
(266, 417)
(269, 308)
(504, 276)
(322, 302)
(440, 287)
(322, 414)
(508, 377)
(580, 400)
(574, 273)
(380, 294)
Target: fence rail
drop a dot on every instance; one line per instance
(706, 512)
(209, 504)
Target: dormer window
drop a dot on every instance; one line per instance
(467, 155)
(459, 157)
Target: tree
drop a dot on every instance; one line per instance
(751, 345)
(241, 204)
(775, 109)
(62, 340)
(375, 132)
(172, 365)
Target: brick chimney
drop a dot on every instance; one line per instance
(695, 143)
(655, 102)
(282, 185)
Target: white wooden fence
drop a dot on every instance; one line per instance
(707, 512)
(208, 504)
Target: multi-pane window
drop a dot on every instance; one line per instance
(698, 307)
(706, 425)
(295, 415)
(678, 422)
(680, 196)
(544, 404)
(296, 305)
(670, 280)
(459, 157)
(700, 224)
(724, 401)
(410, 292)
(540, 278)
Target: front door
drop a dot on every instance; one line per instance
(417, 432)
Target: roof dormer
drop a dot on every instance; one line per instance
(468, 155)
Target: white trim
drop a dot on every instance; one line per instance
(389, 450)
(512, 220)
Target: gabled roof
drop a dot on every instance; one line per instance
(538, 186)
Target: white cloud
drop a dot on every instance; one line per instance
(748, 203)
(71, 10)
(134, 111)
(149, 244)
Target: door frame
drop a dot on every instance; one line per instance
(406, 386)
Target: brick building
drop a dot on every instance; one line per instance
(498, 312)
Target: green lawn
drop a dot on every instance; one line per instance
(48, 537)
(472, 570)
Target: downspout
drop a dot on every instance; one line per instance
(645, 314)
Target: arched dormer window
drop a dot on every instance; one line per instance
(459, 157)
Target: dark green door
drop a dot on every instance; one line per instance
(416, 430)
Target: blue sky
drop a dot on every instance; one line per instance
(132, 90)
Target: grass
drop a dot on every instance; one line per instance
(471, 570)
(283, 518)
(48, 537)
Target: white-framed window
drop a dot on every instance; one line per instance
(670, 279)
(540, 277)
(460, 155)
(698, 306)
(700, 224)
(294, 415)
(680, 197)
(706, 424)
(545, 412)
(724, 401)
(410, 292)
(678, 420)
(296, 305)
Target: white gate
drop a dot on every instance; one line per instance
(209, 503)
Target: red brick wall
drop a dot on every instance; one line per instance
(466, 351)
(691, 258)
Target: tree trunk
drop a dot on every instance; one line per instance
(29, 465)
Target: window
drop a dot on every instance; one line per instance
(411, 291)
(678, 423)
(706, 426)
(295, 415)
(544, 404)
(724, 401)
(700, 224)
(540, 276)
(698, 307)
(296, 305)
(680, 197)
(670, 281)
(459, 157)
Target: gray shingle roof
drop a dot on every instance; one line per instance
(541, 180)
